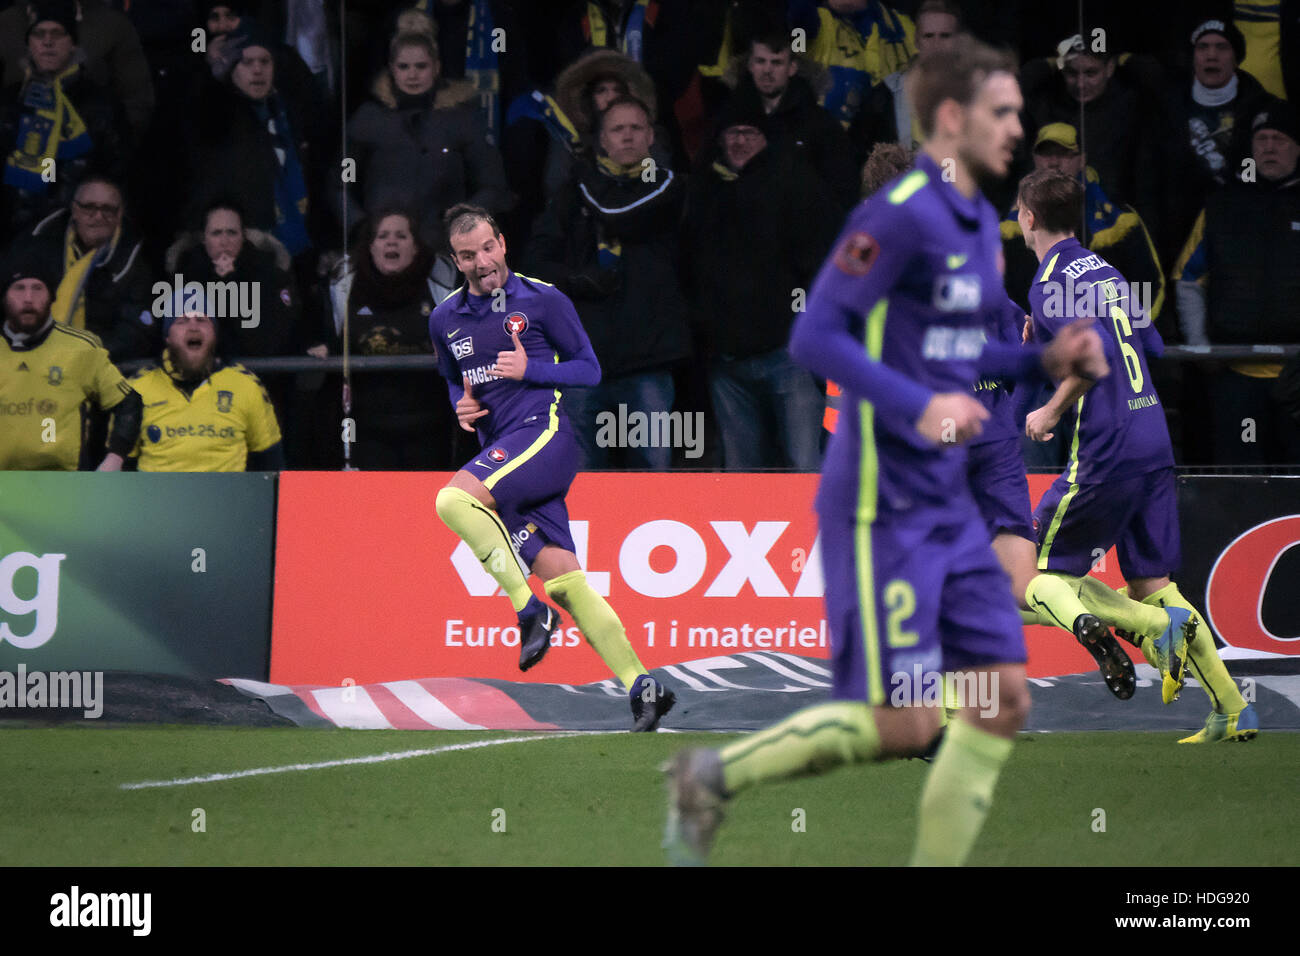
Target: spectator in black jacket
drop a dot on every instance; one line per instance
(771, 84)
(1238, 284)
(610, 241)
(104, 280)
(1211, 114)
(421, 144)
(256, 143)
(225, 251)
(749, 279)
(56, 124)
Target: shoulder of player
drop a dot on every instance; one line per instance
(67, 335)
(235, 372)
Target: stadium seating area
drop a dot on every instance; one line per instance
(273, 143)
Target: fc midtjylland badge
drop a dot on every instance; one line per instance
(498, 455)
(516, 323)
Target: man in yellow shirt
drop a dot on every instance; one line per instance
(199, 414)
(51, 376)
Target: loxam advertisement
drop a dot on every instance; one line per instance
(371, 586)
(166, 574)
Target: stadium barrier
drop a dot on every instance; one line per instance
(371, 586)
(165, 574)
(173, 574)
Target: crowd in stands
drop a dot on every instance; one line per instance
(678, 168)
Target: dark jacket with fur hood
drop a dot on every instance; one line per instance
(424, 154)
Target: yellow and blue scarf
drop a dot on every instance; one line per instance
(50, 129)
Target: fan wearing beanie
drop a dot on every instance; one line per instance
(50, 375)
(199, 413)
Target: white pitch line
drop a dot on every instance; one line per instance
(374, 758)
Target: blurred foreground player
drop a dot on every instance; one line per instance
(897, 317)
(507, 345)
(1118, 488)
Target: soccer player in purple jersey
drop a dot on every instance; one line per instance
(896, 317)
(996, 471)
(1118, 488)
(507, 345)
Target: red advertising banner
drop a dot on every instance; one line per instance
(371, 586)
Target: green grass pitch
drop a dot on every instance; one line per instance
(599, 800)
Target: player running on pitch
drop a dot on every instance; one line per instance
(1118, 487)
(896, 317)
(507, 345)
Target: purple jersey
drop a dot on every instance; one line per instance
(468, 333)
(897, 314)
(1119, 424)
(1005, 324)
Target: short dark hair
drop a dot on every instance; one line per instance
(938, 6)
(955, 74)
(101, 179)
(628, 100)
(464, 217)
(1054, 198)
(774, 39)
(228, 203)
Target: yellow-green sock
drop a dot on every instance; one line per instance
(1118, 609)
(1055, 601)
(1203, 656)
(480, 527)
(811, 741)
(957, 794)
(598, 623)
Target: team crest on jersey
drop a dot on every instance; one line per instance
(857, 254)
(154, 433)
(223, 400)
(55, 375)
(498, 454)
(516, 323)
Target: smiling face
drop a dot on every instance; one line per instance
(481, 257)
(27, 305)
(192, 342)
(1086, 76)
(223, 234)
(96, 211)
(742, 143)
(50, 47)
(414, 70)
(393, 248)
(254, 74)
(626, 135)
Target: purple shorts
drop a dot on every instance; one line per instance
(528, 472)
(1078, 524)
(903, 599)
(996, 472)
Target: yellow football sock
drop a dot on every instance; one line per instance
(1055, 601)
(480, 527)
(598, 623)
(957, 794)
(811, 741)
(1118, 609)
(1203, 656)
